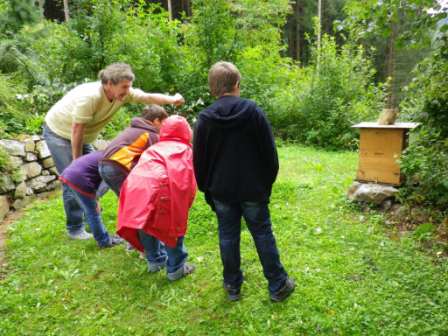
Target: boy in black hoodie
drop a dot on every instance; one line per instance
(235, 161)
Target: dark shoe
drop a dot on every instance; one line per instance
(113, 241)
(181, 272)
(284, 292)
(233, 294)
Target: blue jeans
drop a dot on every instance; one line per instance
(93, 216)
(112, 175)
(158, 254)
(259, 224)
(61, 151)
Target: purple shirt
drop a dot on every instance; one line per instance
(82, 174)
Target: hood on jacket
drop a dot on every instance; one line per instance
(176, 128)
(229, 112)
(139, 122)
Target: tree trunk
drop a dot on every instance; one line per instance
(391, 101)
(298, 31)
(290, 33)
(170, 9)
(319, 31)
(186, 7)
(41, 4)
(66, 11)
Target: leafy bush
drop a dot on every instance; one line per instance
(122, 31)
(247, 33)
(15, 14)
(259, 59)
(61, 52)
(264, 74)
(425, 163)
(335, 92)
(209, 37)
(148, 42)
(12, 115)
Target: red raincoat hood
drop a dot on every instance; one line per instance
(176, 128)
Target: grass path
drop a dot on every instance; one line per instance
(351, 278)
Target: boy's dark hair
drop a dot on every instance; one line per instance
(222, 78)
(153, 112)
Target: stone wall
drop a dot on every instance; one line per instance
(34, 174)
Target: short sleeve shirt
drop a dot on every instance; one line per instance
(87, 104)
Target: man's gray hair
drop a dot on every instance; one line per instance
(116, 72)
(222, 78)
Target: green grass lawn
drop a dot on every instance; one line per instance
(351, 278)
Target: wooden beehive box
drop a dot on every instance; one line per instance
(380, 148)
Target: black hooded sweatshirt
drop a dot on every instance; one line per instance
(234, 153)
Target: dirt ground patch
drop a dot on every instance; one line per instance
(429, 227)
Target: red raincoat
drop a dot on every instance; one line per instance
(159, 191)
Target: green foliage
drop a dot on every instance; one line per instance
(260, 23)
(12, 115)
(351, 278)
(396, 34)
(5, 163)
(61, 52)
(120, 31)
(263, 68)
(7, 169)
(14, 14)
(373, 18)
(335, 92)
(19, 61)
(147, 41)
(425, 162)
(212, 32)
(209, 37)
(247, 33)
(264, 74)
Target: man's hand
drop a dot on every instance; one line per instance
(178, 99)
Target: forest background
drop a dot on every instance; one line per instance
(316, 67)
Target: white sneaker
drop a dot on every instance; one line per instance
(80, 235)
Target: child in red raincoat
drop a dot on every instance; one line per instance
(156, 197)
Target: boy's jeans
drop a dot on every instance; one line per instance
(61, 151)
(112, 175)
(258, 222)
(158, 254)
(93, 217)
